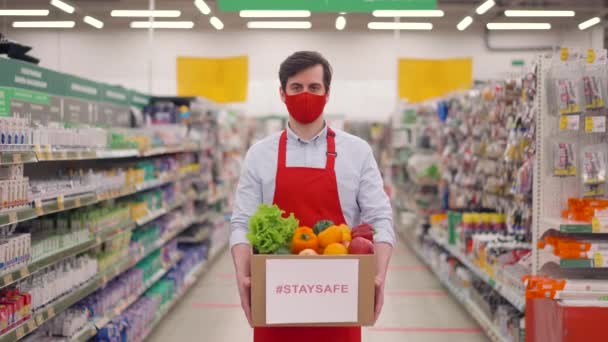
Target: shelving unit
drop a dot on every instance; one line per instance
(461, 296)
(101, 280)
(60, 203)
(463, 181)
(186, 165)
(196, 273)
(517, 298)
(49, 153)
(100, 322)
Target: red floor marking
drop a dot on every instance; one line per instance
(427, 330)
(432, 293)
(215, 306)
(412, 268)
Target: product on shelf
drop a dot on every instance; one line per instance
(62, 327)
(58, 280)
(14, 187)
(15, 251)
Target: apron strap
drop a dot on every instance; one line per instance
(282, 161)
(331, 149)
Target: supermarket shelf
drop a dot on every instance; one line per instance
(155, 151)
(56, 307)
(63, 303)
(566, 226)
(153, 215)
(119, 308)
(24, 272)
(516, 299)
(200, 237)
(44, 262)
(17, 157)
(191, 279)
(46, 153)
(160, 212)
(203, 217)
(60, 203)
(84, 334)
(486, 324)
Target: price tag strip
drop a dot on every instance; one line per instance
(12, 217)
(39, 208)
(569, 122)
(60, 204)
(595, 124)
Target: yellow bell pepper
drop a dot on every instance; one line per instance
(346, 236)
(330, 235)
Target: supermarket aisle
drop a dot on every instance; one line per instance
(417, 309)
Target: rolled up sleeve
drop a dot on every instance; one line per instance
(248, 198)
(373, 201)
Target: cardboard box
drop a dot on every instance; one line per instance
(292, 290)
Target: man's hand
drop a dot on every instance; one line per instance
(244, 284)
(379, 298)
(383, 253)
(241, 255)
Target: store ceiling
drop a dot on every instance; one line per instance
(454, 10)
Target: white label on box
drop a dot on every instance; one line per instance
(297, 290)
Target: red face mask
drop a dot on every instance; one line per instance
(305, 107)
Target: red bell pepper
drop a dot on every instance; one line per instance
(363, 230)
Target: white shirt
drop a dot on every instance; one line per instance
(360, 185)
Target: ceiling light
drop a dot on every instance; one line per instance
(274, 14)
(515, 13)
(399, 26)
(483, 8)
(145, 13)
(93, 22)
(27, 13)
(202, 6)
(464, 23)
(63, 6)
(44, 24)
(587, 24)
(162, 24)
(518, 26)
(410, 14)
(340, 23)
(342, 13)
(279, 25)
(217, 23)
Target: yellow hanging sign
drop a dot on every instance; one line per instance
(222, 80)
(424, 79)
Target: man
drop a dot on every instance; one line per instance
(316, 173)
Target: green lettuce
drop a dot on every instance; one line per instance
(269, 231)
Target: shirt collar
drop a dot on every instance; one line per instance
(291, 135)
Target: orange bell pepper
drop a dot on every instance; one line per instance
(304, 238)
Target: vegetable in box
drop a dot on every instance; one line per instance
(269, 230)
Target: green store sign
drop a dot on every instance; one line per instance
(327, 5)
(115, 94)
(138, 99)
(34, 84)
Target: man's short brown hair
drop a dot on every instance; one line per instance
(303, 60)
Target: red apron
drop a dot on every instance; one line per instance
(312, 195)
